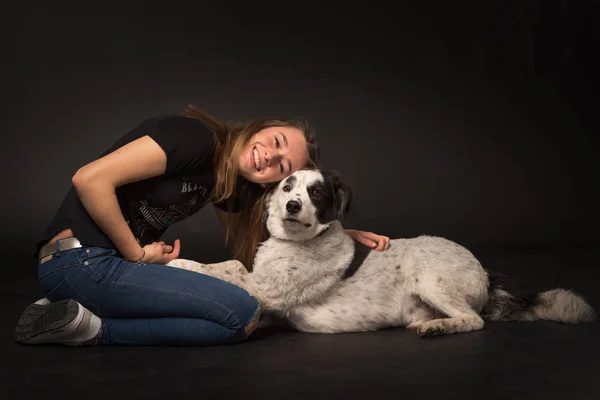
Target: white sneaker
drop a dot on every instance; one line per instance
(64, 321)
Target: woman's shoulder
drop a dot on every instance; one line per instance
(183, 131)
(186, 141)
(181, 123)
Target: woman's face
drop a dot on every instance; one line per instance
(273, 153)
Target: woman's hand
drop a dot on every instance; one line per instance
(160, 252)
(370, 239)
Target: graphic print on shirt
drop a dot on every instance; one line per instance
(189, 187)
(161, 218)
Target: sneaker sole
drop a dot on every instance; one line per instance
(39, 323)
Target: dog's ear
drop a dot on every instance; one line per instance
(343, 197)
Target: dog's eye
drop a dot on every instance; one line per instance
(287, 188)
(315, 193)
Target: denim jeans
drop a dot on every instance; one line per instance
(148, 304)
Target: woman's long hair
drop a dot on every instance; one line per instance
(245, 228)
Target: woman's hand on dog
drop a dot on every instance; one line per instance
(161, 253)
(370, 239)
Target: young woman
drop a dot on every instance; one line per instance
(102, 262)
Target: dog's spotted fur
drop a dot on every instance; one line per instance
(425, 283)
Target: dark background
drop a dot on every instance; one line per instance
(474, 120)
(470, 120)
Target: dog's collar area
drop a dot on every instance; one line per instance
(323, 231)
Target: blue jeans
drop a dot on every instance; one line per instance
(148, 304)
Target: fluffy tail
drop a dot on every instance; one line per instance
(554, 305)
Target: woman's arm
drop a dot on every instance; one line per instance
(96, 182)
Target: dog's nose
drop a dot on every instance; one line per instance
(293, 206)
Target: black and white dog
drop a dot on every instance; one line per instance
(320, 280)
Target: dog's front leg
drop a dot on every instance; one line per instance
(233, 267)
(183, 263)
(231, 271)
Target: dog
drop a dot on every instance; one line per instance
(316, 277)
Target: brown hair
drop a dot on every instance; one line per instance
(246, 228)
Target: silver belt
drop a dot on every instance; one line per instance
(59, 245)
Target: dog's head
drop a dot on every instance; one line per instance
(306, 203)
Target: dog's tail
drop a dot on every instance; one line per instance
(554, 305)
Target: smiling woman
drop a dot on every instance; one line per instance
(102, 262)
(274, 153)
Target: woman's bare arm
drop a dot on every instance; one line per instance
(96, 182)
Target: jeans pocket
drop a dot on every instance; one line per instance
(97, 261)
(90, 255)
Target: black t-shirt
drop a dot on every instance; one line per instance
(150, 206)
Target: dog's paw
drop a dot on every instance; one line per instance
(431, 328)
(414, 325)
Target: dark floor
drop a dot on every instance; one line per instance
(539, 360)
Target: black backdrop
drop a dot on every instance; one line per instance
(471, 120)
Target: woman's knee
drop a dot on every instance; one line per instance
(245, 326)
(244, 310)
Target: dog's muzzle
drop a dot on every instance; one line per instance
(48, 250)
(293, 206)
